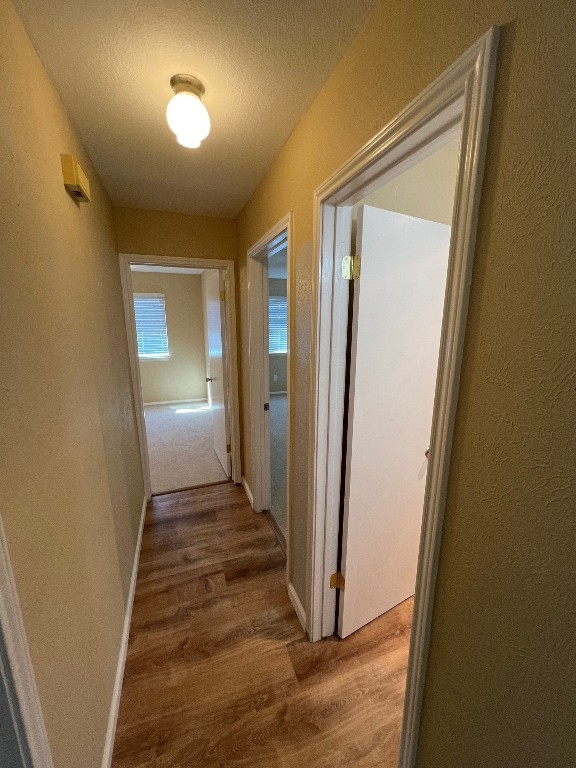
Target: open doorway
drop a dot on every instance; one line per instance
(401, 237)
(182, 351)
(386, 357)
(269, 290)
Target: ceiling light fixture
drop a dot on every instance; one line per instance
(187, 117)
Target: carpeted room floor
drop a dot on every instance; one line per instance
(180, 446)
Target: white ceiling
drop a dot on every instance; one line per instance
(262, 62)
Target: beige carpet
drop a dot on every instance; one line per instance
(278, 459)
(180, 447)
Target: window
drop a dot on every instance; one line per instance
(277, 325)
(151, 333)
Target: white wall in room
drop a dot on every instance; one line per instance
(426, 190)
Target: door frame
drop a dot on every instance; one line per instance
(459, 100)
(227, 267)
(17, 673)
(259, 387)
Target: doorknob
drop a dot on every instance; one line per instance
(208, 378)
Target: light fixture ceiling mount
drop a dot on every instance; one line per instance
(188, 83)
(186, 115)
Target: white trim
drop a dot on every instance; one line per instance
(227, 267)
(19, 679)
(279, 392)
(297, 605)
(462, 95)
(248, 492)
(117, 692)
(258, 356)
(174, 402)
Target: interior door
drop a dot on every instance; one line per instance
(396, 325)
(215, 316)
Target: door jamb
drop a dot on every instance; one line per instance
(462, 95)
(17, 673)
(257, 253)
(227, 267)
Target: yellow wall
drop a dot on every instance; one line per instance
(183, 375)
(71, 487)
(503, 631)
(161, 233)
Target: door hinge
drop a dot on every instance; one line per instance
(266, 406)
(351, 267)
(228, 448)
(222, 295)
(337, 581)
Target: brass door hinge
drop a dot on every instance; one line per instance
(351, 267)
(337, 581)
(222, 295)
(228, 448)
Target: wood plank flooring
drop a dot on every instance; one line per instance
(219, 673)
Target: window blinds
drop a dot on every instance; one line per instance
(277, 325)
(151, 333)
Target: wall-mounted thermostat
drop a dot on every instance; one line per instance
(75, 179)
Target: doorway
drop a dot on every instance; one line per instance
(342, 526)
(269, 301)
(401, 237)
(181, 327)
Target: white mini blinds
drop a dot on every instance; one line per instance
(151, 332)
(277, 325)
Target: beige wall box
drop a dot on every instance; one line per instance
(75, 179)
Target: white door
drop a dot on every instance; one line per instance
(397, 319)
(215, 316)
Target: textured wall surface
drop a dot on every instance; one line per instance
(501, 686)
(158, 233)
(71, 487)
(183, 375)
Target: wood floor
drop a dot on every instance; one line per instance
(219, 672)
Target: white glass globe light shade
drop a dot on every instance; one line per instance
(188, 118)
(188, 140)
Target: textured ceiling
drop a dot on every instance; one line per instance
(262, 62)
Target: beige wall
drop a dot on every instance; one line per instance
(183, 375)
(71, 487)
(426, 190)
(161, 233)
(277, 363)
(497, 691)
(278, 367)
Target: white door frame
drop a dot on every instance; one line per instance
(227, 267)
(460, 99)
(259, 385)
(17, 673)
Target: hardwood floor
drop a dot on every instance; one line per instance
(219, 672)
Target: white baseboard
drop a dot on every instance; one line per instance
(248, 492)
(117, 692)
(173, 402)
(297, 605)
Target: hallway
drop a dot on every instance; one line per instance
(219, 672)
